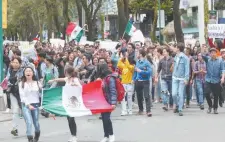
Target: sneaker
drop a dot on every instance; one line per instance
(221, 103)
(73, 139)
(215, 111)
(180, 113)
(7, 110)
(165, 108)
(130, 112)
(202, 107)
(124, 113)
(209, 110)
(105, 139)
(149, 114)
(14, 132)
(111, 138)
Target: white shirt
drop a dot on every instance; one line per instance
(74, 81)
(30, 93)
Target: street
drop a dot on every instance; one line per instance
(194, 126)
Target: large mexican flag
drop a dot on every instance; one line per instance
(75, 101)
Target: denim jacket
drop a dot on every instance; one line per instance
(146, 70)
(18, 75)
(181, 69)
(215, 69)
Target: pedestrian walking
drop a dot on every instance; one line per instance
(30, 89)
(180, 78)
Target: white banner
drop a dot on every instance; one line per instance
(28, 50)
(216, 30)
(30, 53)
(57, 42)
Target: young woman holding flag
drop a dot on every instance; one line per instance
(70, 79)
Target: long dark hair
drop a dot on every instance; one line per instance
(23, 79)
(103, 70)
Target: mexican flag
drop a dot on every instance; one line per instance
(75, 101)
(130, 29)
(74, 31)
(77, 33)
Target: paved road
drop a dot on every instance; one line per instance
(194, 126)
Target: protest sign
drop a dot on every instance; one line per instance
(57, 42)
(216, 31)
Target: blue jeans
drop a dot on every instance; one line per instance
(178, 87)
(31, 117)
(166, 88)
(199, 87)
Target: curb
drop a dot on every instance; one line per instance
(5, 120)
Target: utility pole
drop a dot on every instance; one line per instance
(159, 21)
(1, 46)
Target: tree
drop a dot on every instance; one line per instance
(152, 6)
(79, 11)
(27, 18)
(91, 10)
(123, 15)
(220, 5)
(65, 16)
(177, 21)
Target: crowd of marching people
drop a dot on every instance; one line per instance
(172, 74)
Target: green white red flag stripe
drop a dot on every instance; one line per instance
(75, 101)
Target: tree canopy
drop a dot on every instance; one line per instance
(149, 5)
(220, 5)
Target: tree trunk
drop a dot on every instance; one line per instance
(206, 18)
(154, 24)
(126, 9)
(49, 19)
(66, 16)
(102, 26)
(90, 30)
(79, 11)
(121, 17)
(177, 21)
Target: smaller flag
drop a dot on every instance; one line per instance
(76, 101)
(130, 29)
(4, 84)
(77, 33)
(70, 28)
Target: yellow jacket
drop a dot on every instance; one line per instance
(127, 71)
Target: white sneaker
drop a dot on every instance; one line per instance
(73, 139)
(124, 113)
(7, 110)
(111, 138)
(105, 139)
(130, 112)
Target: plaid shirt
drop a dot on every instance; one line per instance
(198, 67)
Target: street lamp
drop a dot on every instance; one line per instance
(159, 20)
(1, 46)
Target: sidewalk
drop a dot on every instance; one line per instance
(5, 116)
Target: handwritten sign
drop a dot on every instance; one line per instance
(216, 30)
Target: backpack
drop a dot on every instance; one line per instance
(119, 87)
